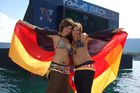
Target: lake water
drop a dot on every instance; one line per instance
(128, 81)
(19, 81)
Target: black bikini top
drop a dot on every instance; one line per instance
(79, 44)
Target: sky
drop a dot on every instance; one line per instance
(13, 10)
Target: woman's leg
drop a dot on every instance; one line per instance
(65, 87)
(58, 79)
(83, 80)
(55, 82)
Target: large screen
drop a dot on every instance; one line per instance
(42, 14)
(90, 22)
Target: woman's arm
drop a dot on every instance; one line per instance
(85, 38)
(38, 29)
(116, 30)
(27, 24)
(46, 31)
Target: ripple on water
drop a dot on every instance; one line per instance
(128, 81)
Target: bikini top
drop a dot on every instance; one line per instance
(61, 45)
(79, 44)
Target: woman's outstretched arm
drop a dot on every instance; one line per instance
(38, 29)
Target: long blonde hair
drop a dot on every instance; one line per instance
(77, 24)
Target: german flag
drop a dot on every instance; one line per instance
(107, 62)
(26, 52)
(106, 51)
(30, 50)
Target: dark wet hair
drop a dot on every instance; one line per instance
(65, 23)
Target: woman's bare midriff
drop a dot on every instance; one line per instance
(81, 56)
(61, 56)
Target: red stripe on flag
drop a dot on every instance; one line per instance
(100, 66)
(27, 37)
(123, 37)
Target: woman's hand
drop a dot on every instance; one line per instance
(118, 30)
(84, 36)
(27, 24)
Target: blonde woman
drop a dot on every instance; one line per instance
(84, 66)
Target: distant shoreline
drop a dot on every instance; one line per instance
(4, 45)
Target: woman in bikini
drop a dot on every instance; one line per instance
(58, 75)
(84, 66)
(58, 79)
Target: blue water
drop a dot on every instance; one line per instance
(19, 81)
(128, 81)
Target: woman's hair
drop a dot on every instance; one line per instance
(77, 24)
(65, 23)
